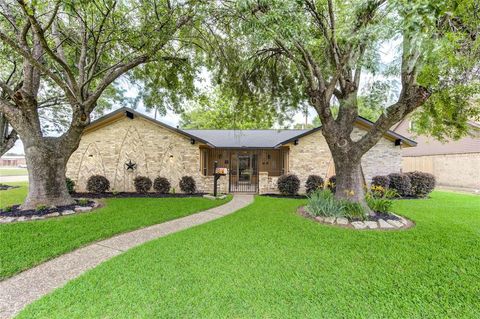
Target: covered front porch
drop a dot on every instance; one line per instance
(246, 167)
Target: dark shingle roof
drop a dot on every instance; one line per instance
(245, 138)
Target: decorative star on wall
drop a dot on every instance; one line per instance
(130, 166)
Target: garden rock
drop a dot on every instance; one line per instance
(55, 214)
(329, 220)
(359, 225)
(371, 224)
(383, 224)
(342, 221)
(68, 212)
(319, 218)
(83, 209)
(396, 223)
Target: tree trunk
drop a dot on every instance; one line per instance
(46, 163)
(349, 179)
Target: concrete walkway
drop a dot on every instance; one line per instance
(18, 291)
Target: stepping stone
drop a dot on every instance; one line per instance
(54, 214)
(342, 221)
(384, 224)
(329, 220)
(83, 209)
(319, 219)
(371, 224)
(359, 225)
(396, 223)
(68, 212)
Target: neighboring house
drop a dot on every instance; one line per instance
(454, 163)
(13, 161)
(125, 139)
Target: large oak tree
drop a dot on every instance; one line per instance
(319, 51)
(65, 55)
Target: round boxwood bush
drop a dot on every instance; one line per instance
(400, 183)
(98, 184)
(332, 183)
(161, 185)
(381, 180)
(288, 184)
(70, 185)
(188, 185)
(313, 183)
(142, 184)
(422, 183)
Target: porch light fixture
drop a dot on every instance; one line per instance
(398, 142)
(295, 142)
(192, 141)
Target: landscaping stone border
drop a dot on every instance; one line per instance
(65, 212)
(379, 224)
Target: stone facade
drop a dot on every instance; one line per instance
(311, 156)
(161, 151)
(156, 150)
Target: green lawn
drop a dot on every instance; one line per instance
(13, 172)
(266, 261)
(15, 195)
(25, 244)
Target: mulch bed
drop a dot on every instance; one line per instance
(4, 187)
(17, 212)
(134, 194)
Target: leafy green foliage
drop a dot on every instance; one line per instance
(70, 185)
(222, 111)
(323, 203)
(379, 204)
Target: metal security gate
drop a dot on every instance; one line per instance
(243, 172)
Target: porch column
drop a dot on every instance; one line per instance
(262, 182)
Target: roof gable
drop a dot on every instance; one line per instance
(236, 138)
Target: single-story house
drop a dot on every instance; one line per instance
(125, 144)
(453, 163)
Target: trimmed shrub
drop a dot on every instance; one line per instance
(161, 185)
(400, 183)
(142, 184)
(313, 183)
(422, 183)
(70, 185)
(381, 180)
(332, 183)
(288, 184)
(98, 184)
(188, 185)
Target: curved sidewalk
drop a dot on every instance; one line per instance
(20, 290)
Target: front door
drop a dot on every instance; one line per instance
(244, 168)
(243, 172)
